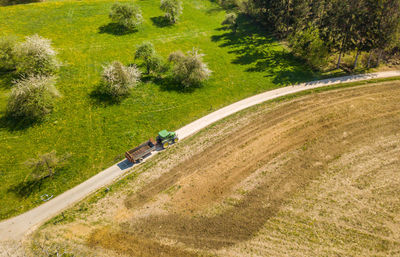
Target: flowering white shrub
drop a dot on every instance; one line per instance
(32, 97)
(36, 56)
(117, 79)
(172, 9)
(189, 69)
(126, 15)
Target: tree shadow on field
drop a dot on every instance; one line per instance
(26, 188)
(115, 29)
(257, 48)
(160, 21)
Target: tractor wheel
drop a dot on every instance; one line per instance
(176, 140)
(165, 145)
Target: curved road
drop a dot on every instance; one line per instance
(15, 228)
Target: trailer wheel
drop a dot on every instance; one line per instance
(165, 145)
(176, 140)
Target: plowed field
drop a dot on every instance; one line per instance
(317, 175)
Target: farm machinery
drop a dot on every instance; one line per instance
(164, 140)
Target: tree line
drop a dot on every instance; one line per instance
(332, 26)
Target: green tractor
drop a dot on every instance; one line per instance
(166, 138)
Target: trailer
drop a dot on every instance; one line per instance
(138, 153)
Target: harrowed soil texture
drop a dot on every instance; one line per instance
(294, 144)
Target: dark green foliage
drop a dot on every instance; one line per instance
(157, 64)
(308, 44)
(128, 16)
(145, 51)
(344, 26)
(153, 62)
(282, 16)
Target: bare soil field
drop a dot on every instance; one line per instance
(315, 176)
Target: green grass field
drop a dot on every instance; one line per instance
(96, 133)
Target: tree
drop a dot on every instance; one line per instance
(117, 80)
(46, 164)
(172, 9)
(7, 53)
(32, 98)
(128, 16)
(189, 70)
(352, 26)
(309, 46)
(384, 24)
(231, 21)
(153, 62)
(282, 16)
(36, 56)
(145, 51)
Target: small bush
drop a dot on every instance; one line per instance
(128, 16)
(7, 53)
(117, 80)
(36, 56)
(32, 98)
(145, 51)
(157, 64)
(172, 9)
(189, 70)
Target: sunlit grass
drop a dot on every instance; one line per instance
(97, 134)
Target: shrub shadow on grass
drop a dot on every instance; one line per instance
(170, 84)
(101, 99)
(15, 2)
(257, 48)
(14, 124)
(215, 9)
(115, 29)
(160, 21)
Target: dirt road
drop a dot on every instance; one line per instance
(15, 228)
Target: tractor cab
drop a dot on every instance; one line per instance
(166, 138)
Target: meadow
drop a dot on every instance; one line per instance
(96, 132)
